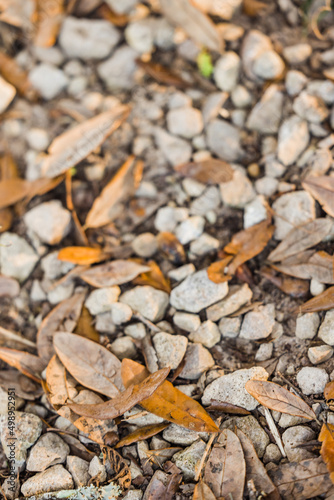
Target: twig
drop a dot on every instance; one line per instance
(274, 431)
(206, 451)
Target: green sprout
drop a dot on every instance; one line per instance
(204, 63)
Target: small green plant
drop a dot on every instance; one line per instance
(204, 63)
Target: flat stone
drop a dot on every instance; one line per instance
(268, 65)
(312, 380)
(319, 354)
(231, 388)
(295, 81)
(266, 186)
(49, 450)
(136, 331)
(180, 435)
(197, 360)
(238, 191)
(53, 267)
(272, 454)
(123, 347)
(186, 122)
(250, 426)
(182, 272)
(192, 187)
(254, 44)
(190, 229)
(120, 313)
(7, 94)
(266, 115)
(292, 210)
(170, 349)
(145, 245)
(52, 479)
(174, 149)
(187, 459)
(212, 105)
(48, 80)
(50, 221)
(186, 321)
(258, 324)
(118, 71)
(123, 7)
(293, 138)
(149, 301)
(209, 200)
(226, 72)
(292, 439)
(326, 330)
(230, 327)
(287, 420)
(224, 140)
(203, 245)
(297, 54)
(310, 108)
(207, 334)
(307, 326)
(264, 352)
(237, 297)
(241, 97)
(167, 218)
(79, 470)
(255, 211)
(323, 89)
(18, 258)
(97, 468)
(99, 301)
(197, 292)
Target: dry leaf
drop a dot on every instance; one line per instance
(23, 386)
(322, 189)
(318, 266)
(85, 326)
(68, 309)
(123, 402)
(7, 335)
(106, 13)
(6, 219)
(140, 434)
(89, 363)
(106, 206)
(207, 171)
(329, 391)
(153, 278)
(15, 75)
(326, 437)
(322, 302)
(301, 238)
(216, 271)
(82, 255)
(113, 273)
(76, 144)
(203, 492)
(49, 17)
(227, 408)
(9, 287)
(253, 7)
(12, 191)
(59, 388)
(225, 469)
(291, 286)
(162, 74)
(171, 248)
(196, 24)
(26, 363)
(116, 462)
(168, 402)
(277, 398)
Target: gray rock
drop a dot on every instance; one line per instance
(142, 420)
(170, 349)
(255, 211)
(120, 313)
(38, 138)
(167, 218)
(140, 35)
(196, 292)
(254, 44)
(203, 245)
(249, 426)
(286, 420)
(292, 210)
(53, 479)
(225, 9)
(224, 140)
(99, 301)
(48, 80)
(123, 347)
(180, 435)
(197, 360)
(175, 149)
(52, 55)
(231, 388)
(266, 115)
(312, 380)
(272, 454)
(136, 331)
(49, 450)
(230, 327)
(207, 334)
(53, 267)
(117, 72)
(226, 72)
(237, 297)
(97, 468)
(264, 352)
(209, 200)
(258, 324)
(292, 439)
(273, 168)
(293, 138)
(192, 187)
(266, 186)
(187, 459)
(50, 221)
(310, 107)
(268, 65)
(319, 354)
(88, 38)
(326, 330)
(79, 470)
(212, 105)
(295, 81)
(190, 229)
(186, 122)
(145, 245)
(18, 259)
(182, 272)
(323, 89)
(7, 94)
(186, 321)
(307, 326)
(149, 301)
(296, 54)
(123, 7)
(241, 97)
(316, 288)
(237, 192)
(134, 494)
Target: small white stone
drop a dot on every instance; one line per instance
(226, 72)
(310, 107)
(294, 437)
(326, 330)
(7, 94)
(60, 292)
(100, 300)
(292, 210)
(312, 380)
(167, 218)
(123, 347)
(187, 459)
(182, 272)
(49, 221)
(255, 212)
(307, 326)
(17, 257)
(197, 360)
(118, 71)
(237, 297)
(295, 81)
(319, 354)
(237, 192)
(186, 122)
(268, 65)
(186, 321)
(192, 187)
(79, 470)
(175, 149)
(53, 478)
(97, 468)
(148, 301)
(264, 352)
(136, 331)
(241, 97)
(258, 324)
(190, 229)
(38, 139)
(49, 450)
(37, 294)
(207, 334)
(230, 327)
(316, 288)
(170, 349)
(120, 313)
(293, 138)
(48, 80)
(145, 245)
(203, 245)
(296, 54)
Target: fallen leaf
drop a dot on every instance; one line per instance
(15, 75)
(23, 386)
(108, 14)
(7, 335)
(329, 391)
(6, 219)
(322, 189)
(171, 248)
(26, 363)
(140, 434)
(168, 402)
(9, 286)
(113, 273)
(322, 302)
(89, 363)
(227, 408)
(326, 437)
(124, 401)
(116, 462)
(207, 171)
(194, 22)
(253, 7)
(162, 74)
(295, 287)
(203, 492)
(318, 266)
(225, 469)
(76, 144)
(217, 270)
(123, 185)
(59, 390)
(277, 398)
(49, 16)
(82, 255)
(68, 309)
(154, 278)
(85, 326)
(13, 190)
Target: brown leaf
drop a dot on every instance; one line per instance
(171, 248)
(329, 391)
(326, 437)
(277, 398)
(322, 189)
(68, 309)
(203, 492)
(12, 191)
(6, 219)
(82, 255)
(162, 74)
(123, 402)
(59, 388)
(225, 469)
(227, 408)
(114, 460)
(85, 326)
(15, 75)
(49, 17)
(140, 434)
(23, 386)
(113, 273)
(76, 144)
(154, 278)
(168, 402)
(207, 171)
(216, 270)
(89, 363)
(108, 14)
(123, 185)
(26, 363)
(322, 302)
(253, 7)
(318, 266)
(196, 24)
(8, 287)
(14, 338)
(291, 286)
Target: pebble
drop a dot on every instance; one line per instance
(79, 470)
(264, 352)
(120, 313)
(249, 426)
(186, 321)
(224, 140)
(175, 149)
(38, 139)
(167, 218)
(197, 292)
(118, 71)
(179, 99)
(52, 55)
(197, 361)
(96, 468)
(230, 327)
(203, 245)
(136, 331)
(176, 434)
(266, 186)
(148, 301)
(241, 97)
(268, 65)
(7, 94)
(323, 89)
(37, 293)
(17, 257)
(273, 168)
(326, 330)
(182, 272)
(258, 324)
(190, 229)
(310, 107)
(49, 450)
(293, 138)
(237, 192)
(209, 200)
(320, 354)
(170, 349)
(292, 439)
(186, 122)
(237, 297)
(255, 211)
(286, 420)
(123, 347)
(100, 300)
(295, 81)
(231, 388)
(49, 221)
(266, 115)
(207, 334)
(297, 54)
(133, 495)
(187, 459)
(53, 479)
(254, 44)
(192, 187)
(123, 7)
(60, 292)
(316, 288)
(212, 105)
(226, 72)
(53, 267)
(145, 245)
(307, 325)
(140, 35)
(292, 210)
(272, 454)
(312, 380)
(48, 80)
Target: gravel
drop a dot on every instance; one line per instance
(266, 115)
(145, 245)
(52, 479)
(79, 470)
(170, 349)
(187, 459)
(326, 330)
(100, 300)
(148, 301)
(49, 221)
(186, 122)
(249, 426)
(18, 258)
(186, 321)
(312, 380)
(224, 140)
(307, 325)
(7, 94)
(237, 297)
(174, 149)
(268, 65)
(293, 438)
(230, 327)
(295, 81)
(297, 54)
(197, 361)
(237, 192)
(226, 72)
(207, 334)
(49, 450)
(293, 138)
(190, 229)
(320, 354)
(258, 324)
(48, 80)
(311, 108)
(292, 210)
(118, 71)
